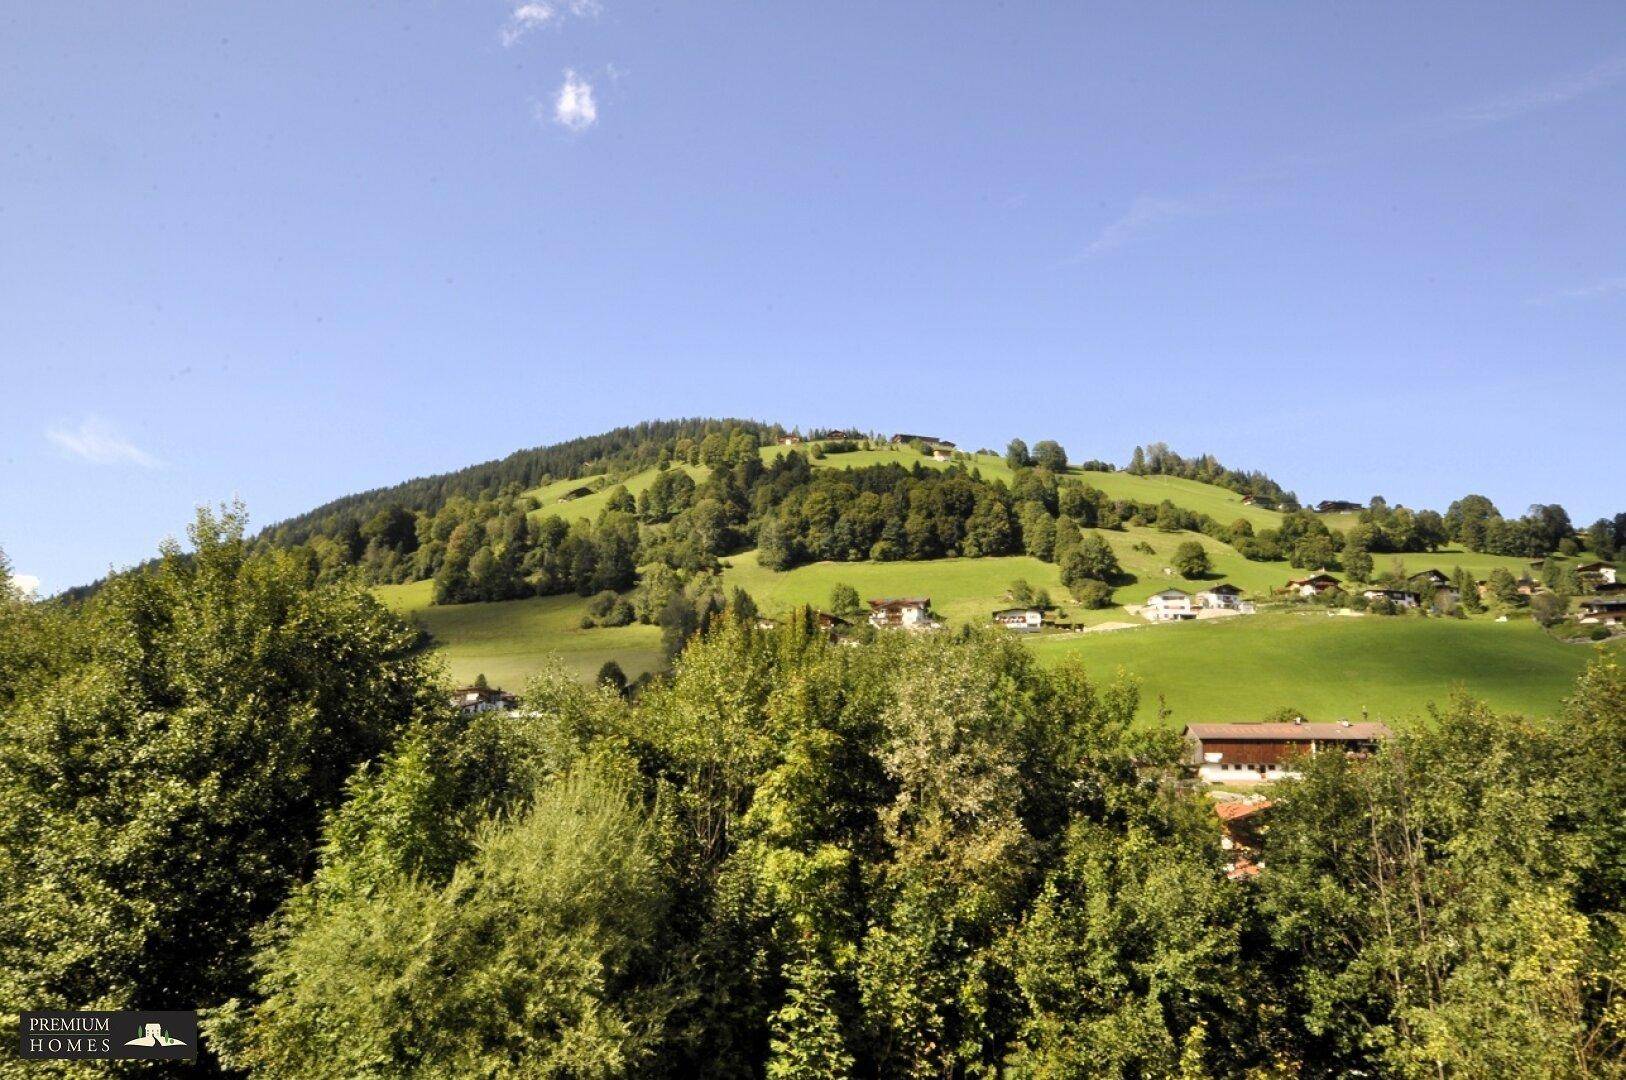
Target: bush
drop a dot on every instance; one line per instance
(1093, 594)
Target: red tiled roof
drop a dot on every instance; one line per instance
(1233, 809)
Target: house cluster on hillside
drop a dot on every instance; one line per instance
(1428, 584)
(1177, 605)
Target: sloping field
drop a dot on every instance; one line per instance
(588, 507)
(510, 641)
(1329, 667)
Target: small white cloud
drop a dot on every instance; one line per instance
(27, 585)
(99, 443)
(573, 105)
(525, 18)
(536, 14)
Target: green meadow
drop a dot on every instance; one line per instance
(510, 641)
(1241, 668)
(1328, 667)
(588, 507)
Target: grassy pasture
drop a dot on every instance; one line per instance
(1329, 667)
(510, 641)
(589, 507)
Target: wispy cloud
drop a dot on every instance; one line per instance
(1148, 213)
(1533, 99)
(535, 14)
(100, 443)
(573, 105)
(1614, 286)
(1144, 215)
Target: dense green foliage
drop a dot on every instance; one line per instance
(929, 857)
(225, 784)
(167, 755)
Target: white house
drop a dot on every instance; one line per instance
(1021, 620)
(1314, 585)
(479, 699)
(1600, 572)
(903, 614)
(1223, 597)
(1398, 597)
(1170, 605)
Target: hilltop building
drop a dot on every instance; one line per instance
(1336, 506)
(1021, 620)
(1250, 753)
(790, 440)
(907, 613)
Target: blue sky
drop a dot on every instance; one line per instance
(288, 251)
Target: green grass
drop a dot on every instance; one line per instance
(589, 507)
(1329, 667)
(963, 591)
(510, 641)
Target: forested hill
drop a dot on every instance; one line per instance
(625, 449)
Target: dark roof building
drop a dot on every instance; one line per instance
(1240, 753)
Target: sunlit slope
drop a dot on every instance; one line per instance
(510, 641)
(1329, 667)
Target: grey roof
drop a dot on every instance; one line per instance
(1352, 731)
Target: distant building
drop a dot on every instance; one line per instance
(903, 614)
(1250, 753)
(1021, 620)
(1601, 611)
(1170, 605)
(1597, 572)
(479, 699)
(838, 433)
(1263, 501)
(1314, 585)
(942, 454)
(929, 440)
(1398, 597)
(831, 623)
(1223, 597)
(790, 440)
(1336, 506)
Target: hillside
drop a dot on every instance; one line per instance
(509, 578)
(1232, 669)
